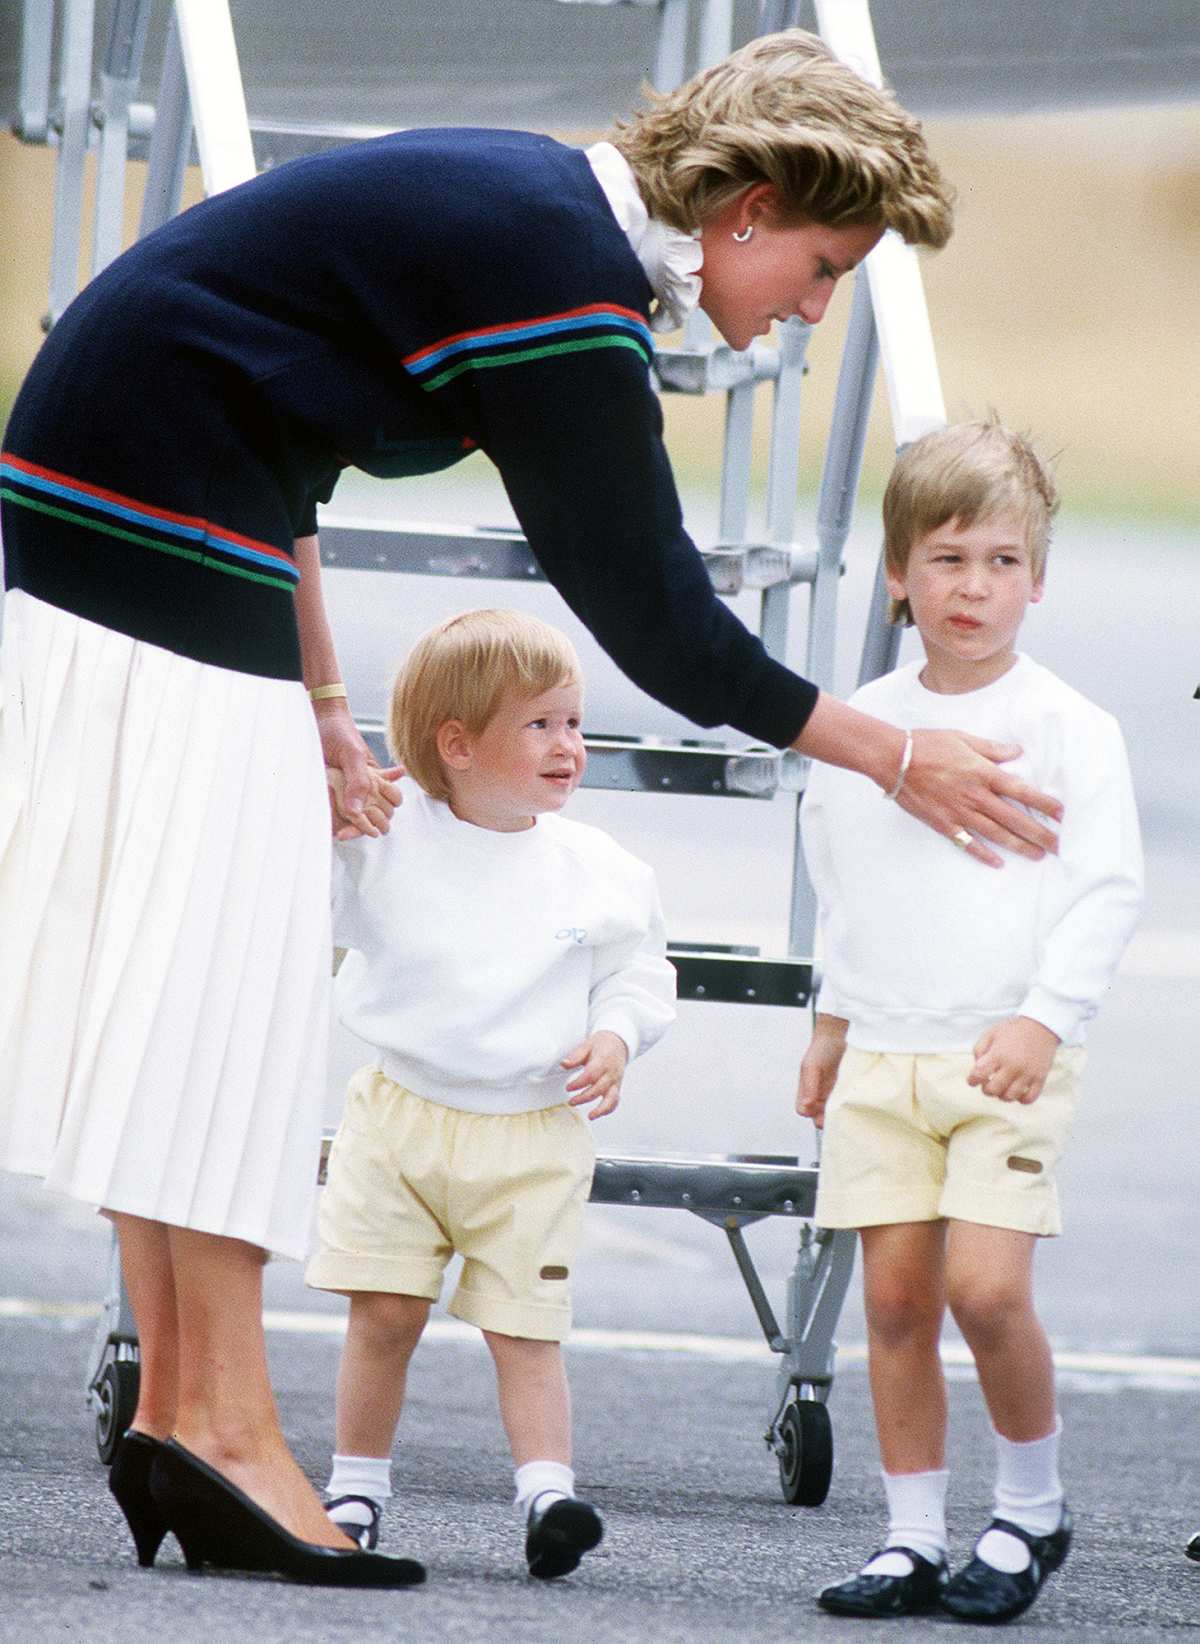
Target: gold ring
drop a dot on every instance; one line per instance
(962, 839)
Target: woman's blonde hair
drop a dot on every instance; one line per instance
(461, 669)
(784, 110)
(961, 475)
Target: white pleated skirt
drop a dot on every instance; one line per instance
(164, 931)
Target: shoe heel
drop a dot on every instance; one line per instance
(129, 1482)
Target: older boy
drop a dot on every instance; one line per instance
(947, 1051)
(506, 964)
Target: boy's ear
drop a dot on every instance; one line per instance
(1039, 588)
(895, 585)
(454, 744)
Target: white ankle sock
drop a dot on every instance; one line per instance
(916, 1519)
(541, 1482)
(1029, 1493)
(369, 1476)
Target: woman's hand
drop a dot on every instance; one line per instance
(953, 782)
(955, 786)
(362, 797)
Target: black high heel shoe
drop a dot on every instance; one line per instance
(129, 1481)
(216, 1523)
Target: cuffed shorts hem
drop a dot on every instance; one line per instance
(350, 1274)
(845, 1210)
(511, 1318)
(1026, 1212)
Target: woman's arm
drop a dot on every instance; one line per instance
(363, 798)
(952, 780)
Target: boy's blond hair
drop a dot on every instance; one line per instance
(960, 475)
(461, 669)
(784, 110)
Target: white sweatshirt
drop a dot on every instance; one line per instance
(923, 946)
(479, 959)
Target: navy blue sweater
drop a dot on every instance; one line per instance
(393, 305)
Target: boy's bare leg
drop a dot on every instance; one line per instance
(146, 1268)
(989, 1286)
(904, 1292)
(381, 1338)
(535, 1401)
(226, 1411)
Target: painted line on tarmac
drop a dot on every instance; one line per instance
(1094, 1371)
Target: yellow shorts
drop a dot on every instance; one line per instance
(907, 1139)
(412, 1183)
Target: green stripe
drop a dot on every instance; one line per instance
(174, 549)
(576, 346)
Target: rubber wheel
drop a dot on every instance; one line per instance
(806, 1461)
(117, 1395)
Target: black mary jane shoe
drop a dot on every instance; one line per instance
(559, 1535)
(980, 1592)
(870, 1596)
(217, 1524)
(367, 1535)
(129, 1481)
(1192, 1550)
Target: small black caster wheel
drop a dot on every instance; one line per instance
(116, 1396)
(806, 1460)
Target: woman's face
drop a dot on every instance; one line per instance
(779, 271)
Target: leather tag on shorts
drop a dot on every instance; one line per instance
(1031, 1167)
(561, 1272)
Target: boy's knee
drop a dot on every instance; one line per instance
(985, 1306)
(390, 1322)
(899, 1308)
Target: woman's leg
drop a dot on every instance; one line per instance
(535, 1400)
(226, 1411)
(905, 1297)
(146, 1267)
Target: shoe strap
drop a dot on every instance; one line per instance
(363, 1501)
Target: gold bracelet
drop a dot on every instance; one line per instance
(322, 693)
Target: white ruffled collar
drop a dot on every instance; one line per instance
(670, 259)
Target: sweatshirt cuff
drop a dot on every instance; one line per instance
(778, 708)
(1062, 1016)
(623, 1025)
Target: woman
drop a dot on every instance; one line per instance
(163, 867)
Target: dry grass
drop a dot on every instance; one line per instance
(1066, 300)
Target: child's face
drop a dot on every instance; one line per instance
(969, 588)
(527, 759)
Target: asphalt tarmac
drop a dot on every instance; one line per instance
(699, 1544)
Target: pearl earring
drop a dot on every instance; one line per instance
(745, 234)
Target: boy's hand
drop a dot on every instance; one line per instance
(819, 1069)
(361, 796)
(602, 1057)
(1013, 1058)
(382, 797)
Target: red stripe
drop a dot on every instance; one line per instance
(210, 530)
(519, 325)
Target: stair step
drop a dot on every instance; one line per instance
(632, 764)
(764, 1186)
(501, 553)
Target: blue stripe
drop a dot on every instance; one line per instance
(192, 533)
(581, 322)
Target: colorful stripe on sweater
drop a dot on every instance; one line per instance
(45, 491)
(596, 325)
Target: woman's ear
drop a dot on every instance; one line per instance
(758, 204)
(455, 744)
